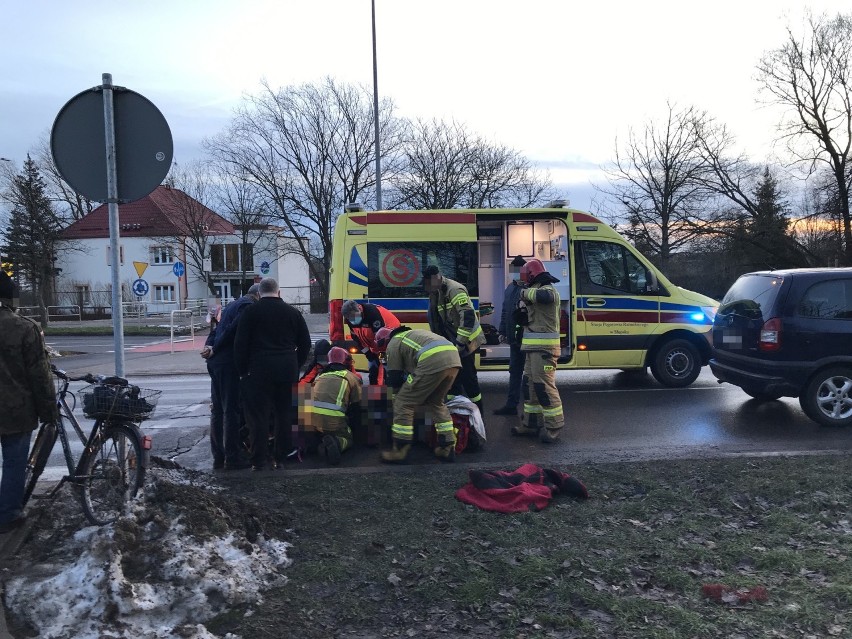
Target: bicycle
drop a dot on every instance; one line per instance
(112, 466)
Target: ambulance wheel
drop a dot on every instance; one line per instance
(676, 363)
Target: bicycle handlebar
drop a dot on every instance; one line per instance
(88, 377)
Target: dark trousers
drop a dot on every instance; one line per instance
(268, 402)
(516, 375)
(467, 383)
(225, 441)
(376, 372)
(16, 448)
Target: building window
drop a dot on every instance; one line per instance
(120, 254)
(164, 293)
(161, 255)
(231, 258)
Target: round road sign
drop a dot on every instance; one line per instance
(140, 288)
(143, 144)
(178, 269)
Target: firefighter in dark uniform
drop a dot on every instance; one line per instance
(540, 342)
(336, 405)
(364, 320)
(26, 396)
(422, 367)
(452, 316)
(271, 345)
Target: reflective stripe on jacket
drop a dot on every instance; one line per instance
(333, 391)
(421, 352)
(451, 315)
(542, 332)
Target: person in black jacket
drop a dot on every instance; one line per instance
(509, 334)
(225, 441)
(271, 345)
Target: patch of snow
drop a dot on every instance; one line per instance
(91, 596)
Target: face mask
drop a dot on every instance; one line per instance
(355, 320)
(516, 277)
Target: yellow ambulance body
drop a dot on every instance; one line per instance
(618, 310)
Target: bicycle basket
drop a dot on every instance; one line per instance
(105, 401)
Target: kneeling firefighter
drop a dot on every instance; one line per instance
(336, 405)
(421, 368)
(539, 316)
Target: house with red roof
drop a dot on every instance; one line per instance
(174, 252)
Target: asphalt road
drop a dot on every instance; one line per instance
(610, 416)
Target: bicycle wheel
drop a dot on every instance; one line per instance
(111, 473)
(37, 460)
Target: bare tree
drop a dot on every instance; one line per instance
(243, 204)
(446, 166)
(310, 150)
(72, 205)
(811, 75)
(189, 195)
(657, 176)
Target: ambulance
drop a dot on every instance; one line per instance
(618, 311)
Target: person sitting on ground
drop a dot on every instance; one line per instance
(336, 405)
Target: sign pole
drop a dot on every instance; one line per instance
(114, 238)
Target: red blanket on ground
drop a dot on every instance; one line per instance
(529, 487)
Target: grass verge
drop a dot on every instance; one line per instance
(395, 554)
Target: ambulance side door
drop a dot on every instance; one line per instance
(616, 315)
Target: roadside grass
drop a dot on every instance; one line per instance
(129, 330)
(395, 554)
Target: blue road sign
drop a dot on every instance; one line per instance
(264, 267)
(140, 288)
(178, 269)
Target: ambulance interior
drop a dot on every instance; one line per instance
(499, 242)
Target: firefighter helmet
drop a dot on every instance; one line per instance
(383, 337)
(532, 269)
(337, 355)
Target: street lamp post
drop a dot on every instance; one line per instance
(376, 116)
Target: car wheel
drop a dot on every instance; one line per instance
(676, 364)
(761, 395)
(827, 399)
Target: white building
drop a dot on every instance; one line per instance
(153, 250)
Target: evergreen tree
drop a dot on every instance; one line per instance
(29, 239)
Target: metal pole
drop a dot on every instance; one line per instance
(376, 116)
(114, 238)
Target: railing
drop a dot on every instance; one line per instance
(61, 312)
(187, 312)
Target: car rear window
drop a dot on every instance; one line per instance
(752, 296)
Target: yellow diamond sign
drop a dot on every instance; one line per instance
(140, 267)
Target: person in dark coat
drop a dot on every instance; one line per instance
(225, 415)
(26, 396)
(509, 334)
(271, 345)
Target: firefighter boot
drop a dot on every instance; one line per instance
(330, 449)
(445, 451)
(548, 436)
(531, 428)
(398, 453)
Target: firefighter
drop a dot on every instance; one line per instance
(452, 316)
(364, 320)
(336, 405)
(422, 367)
(540, 342)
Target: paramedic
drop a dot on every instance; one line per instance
(422, 367)
(452, 316)
(336, 405)
(364, 320)
(540, 343)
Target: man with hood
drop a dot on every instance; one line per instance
(26, 397)
(540, 343)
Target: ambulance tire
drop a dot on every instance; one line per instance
(676, 363)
